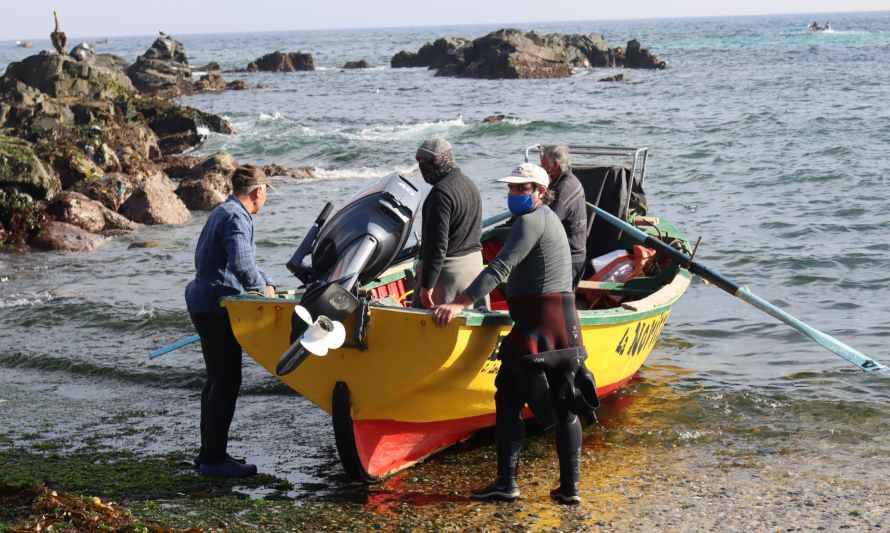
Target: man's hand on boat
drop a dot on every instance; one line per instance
(426, 298)
(269, 291)
(445, 312)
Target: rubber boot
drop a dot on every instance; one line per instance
(568, 448)
(509, 432)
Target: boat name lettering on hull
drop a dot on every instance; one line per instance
(641, 337)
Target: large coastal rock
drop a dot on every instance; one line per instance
(209, 183)
(65, 237)
(163, 69)
(79, 210)
(282, 62)
(22, 170)
(60, 76)
(512, 54)
(154, 202)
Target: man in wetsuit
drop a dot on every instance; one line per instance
(542, 358)
(225, 260)
(568, 204)
(450, 251)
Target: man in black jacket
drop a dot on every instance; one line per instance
(568, 204)
(450, 251)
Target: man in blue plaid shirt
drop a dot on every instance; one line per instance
(225, 260)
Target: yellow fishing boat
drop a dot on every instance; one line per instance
(401, 388)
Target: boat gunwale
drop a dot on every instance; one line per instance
(652, 305)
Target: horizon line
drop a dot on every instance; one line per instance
(405, 26)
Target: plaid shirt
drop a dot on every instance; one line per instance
(225, 259)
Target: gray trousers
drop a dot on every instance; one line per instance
(456, 275)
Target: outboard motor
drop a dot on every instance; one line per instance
(355, 246)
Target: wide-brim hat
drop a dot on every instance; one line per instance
(527, 173)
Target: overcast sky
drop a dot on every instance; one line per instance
(29, 19)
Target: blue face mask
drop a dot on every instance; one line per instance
(520, 204)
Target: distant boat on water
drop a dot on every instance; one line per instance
(24, 44)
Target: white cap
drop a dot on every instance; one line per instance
(528, 173)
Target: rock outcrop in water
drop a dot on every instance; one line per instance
(282, 62)
(80, 149)
(361, 63)
(163, 69)
(515, 54)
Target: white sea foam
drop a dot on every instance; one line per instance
(203, 131)
(265, 117)
(23, 300)
(404, 131)
(362, 172)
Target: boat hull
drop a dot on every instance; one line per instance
(411, 388)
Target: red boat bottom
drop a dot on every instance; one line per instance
(387, 446)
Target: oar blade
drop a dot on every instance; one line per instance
(839, 348)
(185, 341)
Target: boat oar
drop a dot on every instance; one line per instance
(743, 293)
(185, 341)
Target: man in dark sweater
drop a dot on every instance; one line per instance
(568, 204)
(450, 252)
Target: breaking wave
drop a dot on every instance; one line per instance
(362, 172)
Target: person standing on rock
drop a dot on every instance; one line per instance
(568, 204)
(542, 358)
(225, 260)
(450, 250)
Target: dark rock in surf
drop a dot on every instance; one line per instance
(361, 63)
(282, 62)
(516, 54)
(636, 57)
(404, 59)
(289, 172)
(238, 85)
(209, 67)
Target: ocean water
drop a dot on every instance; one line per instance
(767, 141)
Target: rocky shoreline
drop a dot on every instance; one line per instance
(88, 147)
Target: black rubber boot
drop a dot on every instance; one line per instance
(568, 448)
(509, 432)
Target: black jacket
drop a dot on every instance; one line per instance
(568, 204)
(452, 219)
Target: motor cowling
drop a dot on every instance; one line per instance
(354, 246)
